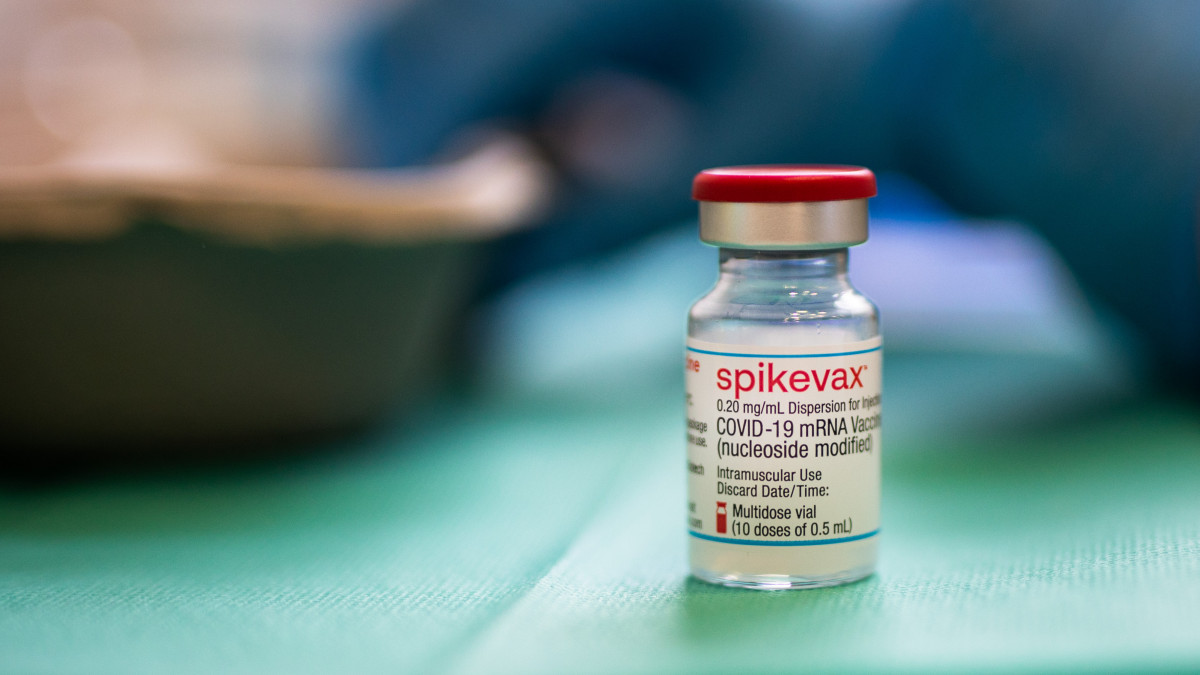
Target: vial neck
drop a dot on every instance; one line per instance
(784, 265)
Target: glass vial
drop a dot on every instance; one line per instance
(783, 372)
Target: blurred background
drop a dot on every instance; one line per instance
(245, 82)
(371, 171)
(338, 327)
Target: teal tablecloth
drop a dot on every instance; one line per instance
(1036, 517)
(546, 536)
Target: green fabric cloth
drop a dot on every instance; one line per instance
(1029, 524)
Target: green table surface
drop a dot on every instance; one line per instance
(1038, 516)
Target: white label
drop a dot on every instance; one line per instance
(783, 443)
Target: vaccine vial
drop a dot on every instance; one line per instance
(783, 375)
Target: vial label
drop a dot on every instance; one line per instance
(783, 443)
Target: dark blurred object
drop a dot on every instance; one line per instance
(175, 269)
(1077, 116)
(236, 304)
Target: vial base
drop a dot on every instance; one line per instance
(784, 567)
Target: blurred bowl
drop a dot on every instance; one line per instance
(237, 305)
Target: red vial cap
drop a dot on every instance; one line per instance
(784, 183)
